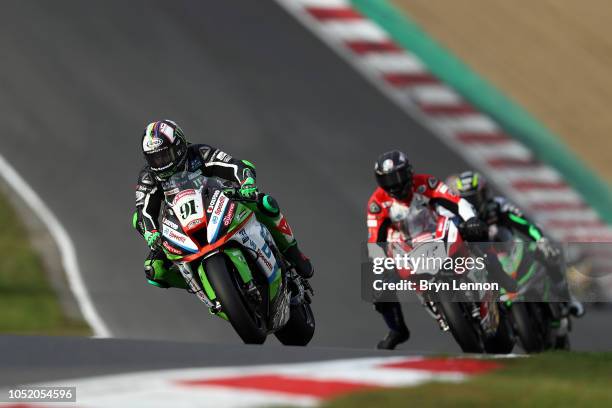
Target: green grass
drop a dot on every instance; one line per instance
(28, 304)
(555, 379)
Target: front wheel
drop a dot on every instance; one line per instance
(460, 323)
(300, 328)
(527, 327)
(224, 280)
(503, 340)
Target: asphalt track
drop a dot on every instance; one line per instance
(37, 359)
(81, 79)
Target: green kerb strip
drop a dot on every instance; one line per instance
(478, 91)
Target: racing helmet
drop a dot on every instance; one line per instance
(164, 147)
(472, 186)
(394, 174)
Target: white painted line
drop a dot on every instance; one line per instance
(65, 245)
(435, 95)
(393, 62)
(354, 30)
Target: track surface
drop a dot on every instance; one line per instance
(37, 359)
(82, 79)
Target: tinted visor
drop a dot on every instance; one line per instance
(396, 182)
(162, 159)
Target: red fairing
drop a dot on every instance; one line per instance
(379, 227)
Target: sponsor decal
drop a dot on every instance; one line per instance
(432, 182)
(152, 143)
(140, 195)
(374, 208)
(219, 207)
(183, 194)
(171, 248)
(263, 258)
(227, 220)
(213, 200)
(283, 226)
(224, 157)
(171, 192)
(372, 223)
(170, 224)
(442, 188)
(179, 237)
(194, 223)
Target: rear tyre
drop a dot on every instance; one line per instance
(224, 279)
(461, 327)
(527, 328)
(300, 328)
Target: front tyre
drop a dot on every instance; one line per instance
(300, 328)
(460, 323)
(503, 340)
(224, 280)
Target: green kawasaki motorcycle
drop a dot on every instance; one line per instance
(539, 322)
(230, 261)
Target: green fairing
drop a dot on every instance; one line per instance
(134, 219)
(275, 285)
(534, 232)
(238, 218)
(528, 275)
(210, 293)
(235, 255)
(512, 261)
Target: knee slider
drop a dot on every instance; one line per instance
(268, 205)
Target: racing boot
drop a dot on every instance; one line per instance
(576, 308)
(394, 318)
(393, 339)
(301, 263)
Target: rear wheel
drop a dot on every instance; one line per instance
(460, 323)
(224, 279)
(300, 328)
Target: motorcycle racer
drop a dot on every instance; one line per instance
(167, 152)
(503, 217)
(397, 187)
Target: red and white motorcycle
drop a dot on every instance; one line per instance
(473, 316)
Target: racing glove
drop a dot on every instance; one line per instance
(153, 239)
(474, 230)
(546, 251)
(248, 189)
